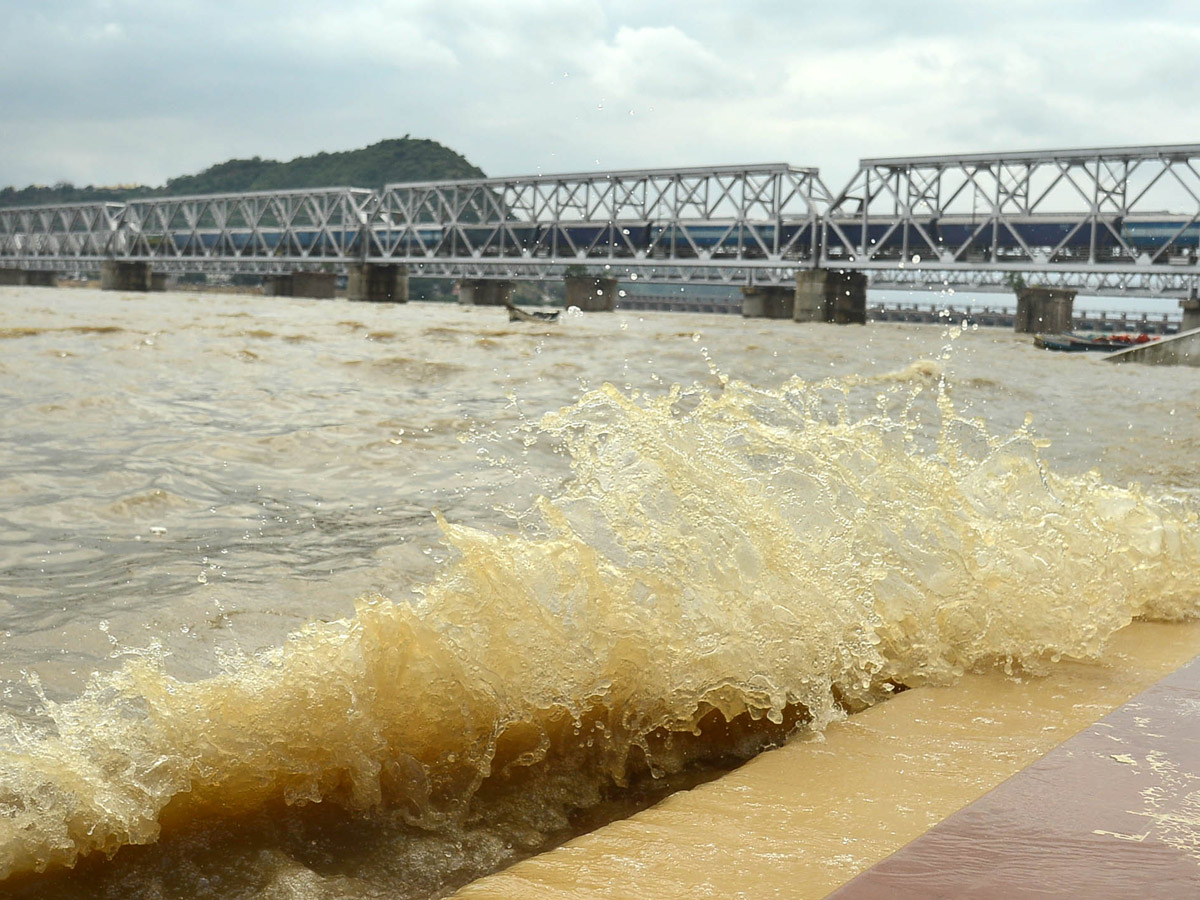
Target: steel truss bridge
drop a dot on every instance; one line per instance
(1123, 220)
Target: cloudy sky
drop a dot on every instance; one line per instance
(119, 91)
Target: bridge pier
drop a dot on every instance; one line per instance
(1042, 310)
(829, 295)
(485, 292)
(768, 301)
(126, 276)
(27, 277)
(1191, 314)
(315, 285)
(378, 283)
(591, 294)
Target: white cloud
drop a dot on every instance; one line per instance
(658, 63)
(706, 81)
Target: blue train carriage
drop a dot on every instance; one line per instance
(214, 242)
(880, 237)
(620, 238)
(415, 241)
(494, 239)
(1168, 237)
(730, 239)
(1068, 237)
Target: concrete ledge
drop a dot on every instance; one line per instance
(1112, 812)
(1181, 349)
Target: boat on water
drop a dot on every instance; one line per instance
(1077, 343)
(515, 314)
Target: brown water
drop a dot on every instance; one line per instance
(313, 599)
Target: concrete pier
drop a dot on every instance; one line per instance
(485, 292)
(1042, 310)
(829, 295)
(378, 283)
(126, 276)
(1191, 314)
(591, 294)
(315, 285)
(768, 301)
(27, 278)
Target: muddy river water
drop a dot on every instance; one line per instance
(320, 599)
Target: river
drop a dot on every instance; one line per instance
(319, 599)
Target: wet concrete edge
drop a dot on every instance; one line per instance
(1113, 812)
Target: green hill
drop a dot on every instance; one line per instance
(394, 160)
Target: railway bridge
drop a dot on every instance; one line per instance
(1118, 220)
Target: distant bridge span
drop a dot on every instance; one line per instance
(1123, 220)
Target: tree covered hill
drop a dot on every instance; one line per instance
(389, 161)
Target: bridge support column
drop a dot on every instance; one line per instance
(1191, 314)
(828, 295)
(1042, 310)
(41, 278)
(378, 283)
(485, 292)
(27, 278)
(125, 276)
(316, 285)
(768, 301)
(277, 285)
(591, 294)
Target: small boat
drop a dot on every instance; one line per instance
(519, 315)
(1075, 343)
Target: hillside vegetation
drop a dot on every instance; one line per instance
(390, 161)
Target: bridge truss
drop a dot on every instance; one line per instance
(1113, 221)
(671, 223)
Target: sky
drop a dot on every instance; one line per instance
(136, 91)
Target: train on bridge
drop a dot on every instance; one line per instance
(1172, 238)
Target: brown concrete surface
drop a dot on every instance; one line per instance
(1114, 812)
